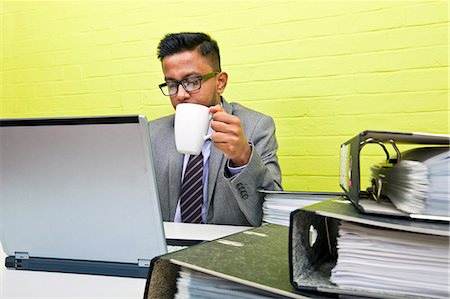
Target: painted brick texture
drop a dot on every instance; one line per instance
(324, 70)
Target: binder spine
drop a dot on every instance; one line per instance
(311, 260)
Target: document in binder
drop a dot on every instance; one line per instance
(413, 183)
(335, 249)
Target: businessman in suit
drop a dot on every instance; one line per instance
(240, 157)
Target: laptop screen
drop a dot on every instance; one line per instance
(79, 188)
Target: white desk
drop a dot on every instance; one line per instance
(37, 284)
(207, 232)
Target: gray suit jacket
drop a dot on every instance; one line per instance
(232, 200)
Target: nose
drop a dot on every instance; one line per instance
(182, 95)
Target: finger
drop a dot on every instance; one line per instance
(220, 137)
(221, 127)
(226, 118)
(229, 145)
(215, 109)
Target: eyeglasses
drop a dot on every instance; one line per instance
(189, 84)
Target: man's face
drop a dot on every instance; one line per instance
(190, 64)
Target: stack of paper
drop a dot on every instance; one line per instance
(438, 197)
(194, 284)
(278, 205)
(393, 261)
(405, 184)
(419, 183)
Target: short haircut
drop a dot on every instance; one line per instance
(174, 43)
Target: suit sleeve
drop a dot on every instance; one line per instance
(261, 172)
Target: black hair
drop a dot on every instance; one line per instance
(174, 43)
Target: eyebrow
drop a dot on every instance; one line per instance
(193, 74)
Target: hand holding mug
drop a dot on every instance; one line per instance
(229, 136)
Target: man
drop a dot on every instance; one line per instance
(238, 160)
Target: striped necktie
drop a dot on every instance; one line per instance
(191, 194)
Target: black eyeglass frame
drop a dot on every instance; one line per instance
(185, 80)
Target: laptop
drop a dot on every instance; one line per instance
(79, 195)
(350, 177)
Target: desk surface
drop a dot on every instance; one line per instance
(205, 232)
(36, 284)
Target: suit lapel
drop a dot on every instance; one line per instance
(175, 162)
(216, 159)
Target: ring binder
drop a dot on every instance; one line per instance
(311, 267)
(380, 142)
(377, 183)
(374, 199)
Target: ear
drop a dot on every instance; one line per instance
(222, 79)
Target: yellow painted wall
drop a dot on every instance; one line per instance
(324, 70)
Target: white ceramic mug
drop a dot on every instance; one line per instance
(191, 127)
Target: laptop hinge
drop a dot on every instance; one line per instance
(21, 255)
(143, 263)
